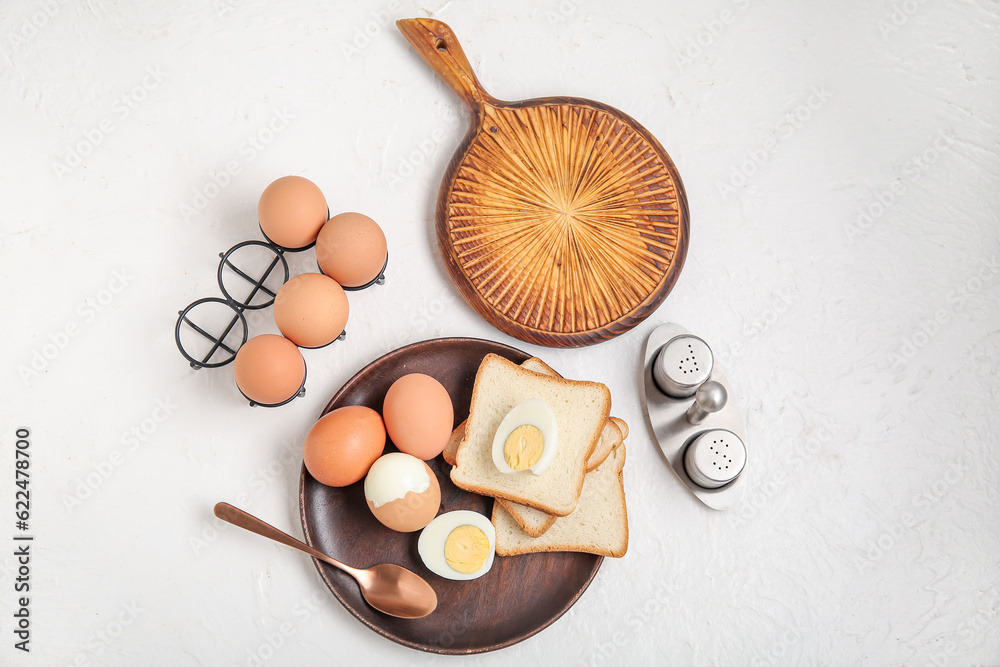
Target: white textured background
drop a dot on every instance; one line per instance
(865, 350)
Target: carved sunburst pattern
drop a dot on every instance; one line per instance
(563, 218)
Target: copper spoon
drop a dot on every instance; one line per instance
(391, 589)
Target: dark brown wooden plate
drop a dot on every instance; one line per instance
(520, 596)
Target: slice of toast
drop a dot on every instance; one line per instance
(599, 525)
(539, 366)
(581, 410)
(607, 442)
(611, 437)
(535, 522)
(451, 447)
(622, 426)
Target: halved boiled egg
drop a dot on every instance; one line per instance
(526, 439)
(458, 545)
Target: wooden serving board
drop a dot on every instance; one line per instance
(562, 221)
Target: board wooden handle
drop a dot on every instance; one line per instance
(438, 46)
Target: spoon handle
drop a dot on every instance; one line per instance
(238, 517)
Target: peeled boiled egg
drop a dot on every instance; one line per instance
(458, 545)
(311, 310)
(291, 212)
(527, 438)
(402, 492)
(342, 446)
(351, 249)
(419, 415)
(269, 369)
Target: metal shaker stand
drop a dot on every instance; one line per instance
(678, 421)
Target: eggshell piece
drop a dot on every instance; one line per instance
(311, 310)
(410, 513)
(269, 369)
(419, 415)
(291, 212)
(343, 444)
(351, 249)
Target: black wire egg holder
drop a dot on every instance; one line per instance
(258, 285)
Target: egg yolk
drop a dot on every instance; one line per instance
(523, 447)
(466, 549)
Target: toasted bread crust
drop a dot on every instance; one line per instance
(537, 365)
(451, 447)
(611, 437)
(622, 426)
(518, 513)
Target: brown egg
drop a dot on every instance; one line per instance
(343, 445)
(402, 492)
(418, 415)
(269, 369)
(351, 249)
(311, 310)
(291, 212)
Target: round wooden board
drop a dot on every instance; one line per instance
(520, 596)
(562, 221)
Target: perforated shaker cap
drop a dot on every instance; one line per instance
(715, 458)
(682, 365)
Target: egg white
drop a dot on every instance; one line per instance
(430, 544)
(394, 475)
(536, 412)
